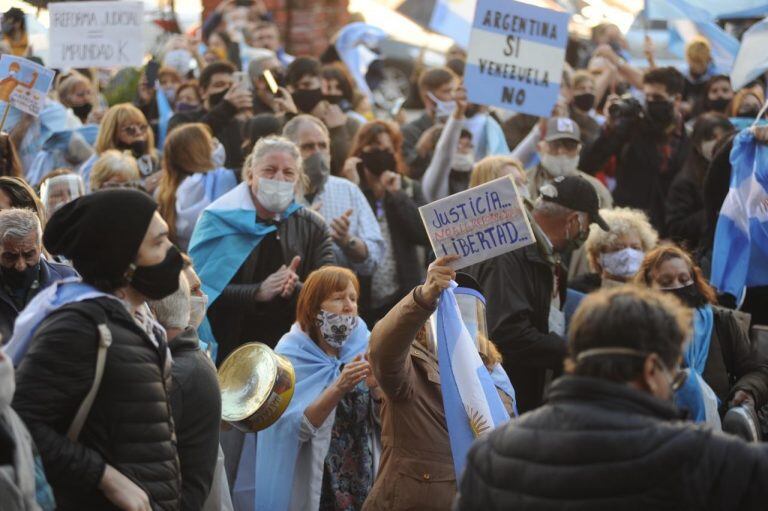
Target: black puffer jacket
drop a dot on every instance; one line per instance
(598, 445)
(129, 425)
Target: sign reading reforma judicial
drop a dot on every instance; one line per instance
(479, 223)
(96, 34)
(516, 54)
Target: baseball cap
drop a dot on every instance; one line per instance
(576, 193)
(562, 127)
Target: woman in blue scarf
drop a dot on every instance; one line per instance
(720, 353)
(322, 454)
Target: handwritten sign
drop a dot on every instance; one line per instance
(24, 84)
(96, 34)
(479, 223)
(516, 54)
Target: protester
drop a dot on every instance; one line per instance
(267, 35)
(254, 246)
(16, 193)
(114, 169)
(582, 107)
(125, 128)
(649, 149)
(191, 180)
(9, 158)
(323, 451)
(615, 255)
(58, 189)
(76, 93)
(167, 80)
(187, 97)
(100, 460)
(615, 400)
(526, 320)
(15, 33)
(24, 270)
(264, 100)
(685, 215)
(494, 167)
(222, 101)
(258, 127)
(720, 351)
(417, 469)
(338, 89)
(395, 200)
(701, 67)
(716, 96)
(195, 398)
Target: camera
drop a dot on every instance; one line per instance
(626, 107)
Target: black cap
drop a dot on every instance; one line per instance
(14, 13)
(101, 233)
(576, 193)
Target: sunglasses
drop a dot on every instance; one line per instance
(134, 130)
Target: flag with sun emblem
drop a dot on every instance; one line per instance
(472, 405)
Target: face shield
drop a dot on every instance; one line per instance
(60, 190)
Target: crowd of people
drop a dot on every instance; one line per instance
(277, 202)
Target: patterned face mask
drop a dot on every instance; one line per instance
(335, 328)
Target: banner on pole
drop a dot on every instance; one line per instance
(24, 84)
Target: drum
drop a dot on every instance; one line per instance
(256, 386)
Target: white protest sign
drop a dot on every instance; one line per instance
(479, 223)
(516, 55)
(96, 34)
(24, 84)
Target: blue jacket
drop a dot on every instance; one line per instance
(50, 272)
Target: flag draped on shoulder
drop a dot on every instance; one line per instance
(740, 251)
(472, 404)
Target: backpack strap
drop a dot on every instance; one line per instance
(105, 340)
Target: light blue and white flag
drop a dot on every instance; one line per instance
(353, 44)
(165, 112)
(699, 10)
(453, 18)
(752, 59)
(472, 405)
(740, 252)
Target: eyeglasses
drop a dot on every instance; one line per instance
(134, 130)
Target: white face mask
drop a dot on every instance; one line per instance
(708, 149)
(442, 108)
(7, 382)
(462, 162)
(558, 166)
(218, 155)
(335, 328)
(197, 308)
(274, 195)
(622, 263)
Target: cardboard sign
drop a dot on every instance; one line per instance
(516, 55)
(96, 34)
(479, 223)
(24, 84)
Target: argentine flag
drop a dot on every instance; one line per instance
(165, 112)
(472, 405)
(740, 252)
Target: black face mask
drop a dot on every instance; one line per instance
(137, 148)
(378, 161)
(584, 102)
(317, 171)
(215, 99)
(307, 100)
(20, 279)
(82, 111)
(720, 104)
(661, 112)
(689, 295)
(159, 280)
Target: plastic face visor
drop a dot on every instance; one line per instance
(60, 190)
(472, 308)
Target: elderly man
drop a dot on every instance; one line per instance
(254, 246)
(526, 320)
(358, 243)
(195, 397)
(24, 271)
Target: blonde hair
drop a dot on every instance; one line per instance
(699, 50)
(116, 116)
(581, 76)
(187, 150)
(622, 222)
(111, 164)
(68, 84)
(492, 167)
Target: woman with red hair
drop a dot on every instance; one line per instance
(376, 163)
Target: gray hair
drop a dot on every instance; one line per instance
(269, 145)
(259, 56)
(173, 310)
(292, 127)
(18, 223)
(550, 209)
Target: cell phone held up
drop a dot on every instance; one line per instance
(271, 82)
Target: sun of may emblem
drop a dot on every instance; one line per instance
(476, 421)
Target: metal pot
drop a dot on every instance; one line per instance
(256, 386)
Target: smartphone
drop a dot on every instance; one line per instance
(271, 82)
(150, 72)
(242, 79)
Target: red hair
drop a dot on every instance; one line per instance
(369, 134)
(317, 288)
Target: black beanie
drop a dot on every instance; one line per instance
(101, 234)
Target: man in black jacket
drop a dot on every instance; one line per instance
(526, 288)
(195, 396)
(222, 100)
(609, 438)
(123, 453)
(648, 142)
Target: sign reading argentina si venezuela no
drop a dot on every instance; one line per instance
(516, 54)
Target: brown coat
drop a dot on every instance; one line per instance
(416, 471)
